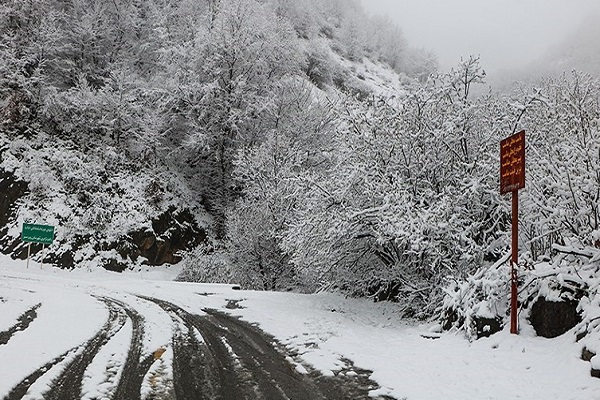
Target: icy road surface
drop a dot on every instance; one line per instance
(99, 335)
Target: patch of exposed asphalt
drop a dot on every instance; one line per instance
(233, 304)
(235, 360)
(355, 382)
(350, 383)
(22, 323)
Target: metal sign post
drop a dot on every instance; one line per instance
(512, 178)
(28, 253)
(514, 261)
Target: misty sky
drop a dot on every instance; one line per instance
(506, 33)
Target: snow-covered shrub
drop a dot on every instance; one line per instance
(320, 65)
(573, 277)
(409, 196)
(483, 295)
(206, 265)
(561, 200)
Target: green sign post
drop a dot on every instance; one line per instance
(33, 233)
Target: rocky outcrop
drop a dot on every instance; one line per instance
(171, 233)
(11, 190)
(162, 242)
(553, 318)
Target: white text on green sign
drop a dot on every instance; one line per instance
(34, 233)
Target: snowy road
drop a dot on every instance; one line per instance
(99, 335)
(207, 355)
(137, 345)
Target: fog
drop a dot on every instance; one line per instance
(508, 34)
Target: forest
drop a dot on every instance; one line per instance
(260, 119)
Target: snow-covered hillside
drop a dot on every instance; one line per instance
(134, 164)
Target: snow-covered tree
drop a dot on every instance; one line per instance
(563, 185)
(268, 173)
(221, 82)
(410, 195)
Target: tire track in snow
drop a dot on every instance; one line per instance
(21, 389)
(214, 357)
(22, 323)
(135, 367)
(194, 367)
(273, 375)
(350, 383)
(67, 385)
(235, 360)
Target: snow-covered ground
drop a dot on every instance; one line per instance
(408, 360)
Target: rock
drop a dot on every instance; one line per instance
(114, 265)
(553, 318)
(595, 362)
(586, 354)
(487, 326)
(172, 232)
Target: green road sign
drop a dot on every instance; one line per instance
(33, 233)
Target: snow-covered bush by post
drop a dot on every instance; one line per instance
(574, 275)
(588, 331)
(483, 295)
(554, 297)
